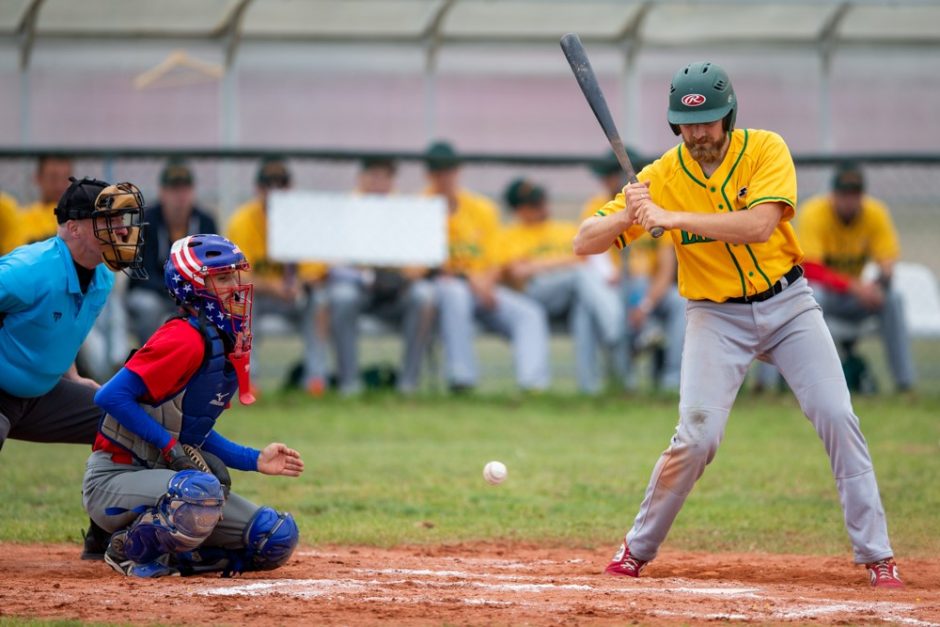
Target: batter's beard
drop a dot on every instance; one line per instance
(707, 151)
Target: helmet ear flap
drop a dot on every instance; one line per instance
(727, 122)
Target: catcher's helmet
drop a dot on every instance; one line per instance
(118, 219)
(701, 93)
(193, 262)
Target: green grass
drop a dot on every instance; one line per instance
(383, 471)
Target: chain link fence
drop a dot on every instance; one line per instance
(908, 184)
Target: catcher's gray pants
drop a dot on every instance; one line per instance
(110, 484)
(515, 316)
(596, 317)
(418, 306)
(721, 342)
(65, 414)
(892, 326)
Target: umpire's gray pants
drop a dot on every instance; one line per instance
(721, 342)
(515, 316)
(596, 318)
(65, 414)
(418, 306)
(108, 484)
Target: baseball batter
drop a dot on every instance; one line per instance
(169, 508)
(727, 196)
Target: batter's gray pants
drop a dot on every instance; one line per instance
(596, 318)
(892, 326)
(721, 342)
(515, 316)
(108, 484)
(65, 414)
(418, 306)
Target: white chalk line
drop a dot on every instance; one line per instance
(800, 608)
(490, 562)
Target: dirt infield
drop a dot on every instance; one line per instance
(471, 584)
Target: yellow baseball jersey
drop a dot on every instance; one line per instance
(38, 222)
(471, 232)
(10, 218)
(756, 169)
(591, 207)
(844, 247)
(551, 239)
(248, 229)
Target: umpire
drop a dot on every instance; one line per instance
(51, 292)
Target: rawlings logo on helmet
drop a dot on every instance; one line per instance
(693, 100)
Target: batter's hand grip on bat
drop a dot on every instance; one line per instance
(591, 88)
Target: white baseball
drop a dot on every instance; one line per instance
(495, 472)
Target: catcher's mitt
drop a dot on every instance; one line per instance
(207, 462)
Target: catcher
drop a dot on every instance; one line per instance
(157, 477)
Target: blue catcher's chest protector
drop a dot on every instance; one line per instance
(189, 415)
(209, 392)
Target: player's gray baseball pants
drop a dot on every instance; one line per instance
(66, 414)
(303, 316)
(109, 484)
(721, 342)
(892, 326)
(515, 316)
(596, 317)
(345, 299)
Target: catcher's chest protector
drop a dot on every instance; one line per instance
(191, 413)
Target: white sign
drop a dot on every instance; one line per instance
(357, 229)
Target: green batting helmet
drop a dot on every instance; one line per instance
(701, 93)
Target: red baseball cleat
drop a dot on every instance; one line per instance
(884, 574)
(624, 564)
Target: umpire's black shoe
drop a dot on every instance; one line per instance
(96, 542)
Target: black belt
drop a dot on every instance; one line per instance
(795, 273)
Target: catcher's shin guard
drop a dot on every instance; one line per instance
(180, 521)
(270, 539)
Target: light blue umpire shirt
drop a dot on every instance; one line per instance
(45, 315)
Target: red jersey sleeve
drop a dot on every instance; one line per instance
(169, 359)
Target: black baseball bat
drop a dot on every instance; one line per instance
(587, 81)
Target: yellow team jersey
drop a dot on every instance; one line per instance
(756, 169)
(844, 247)
(248, 229)
(546, 240)
(591, 207)
(471, 231)
(38, 222)
(10, 218)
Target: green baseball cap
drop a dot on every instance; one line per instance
(524, 192)
(177, 173)
(848, 177)
(441, 156)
